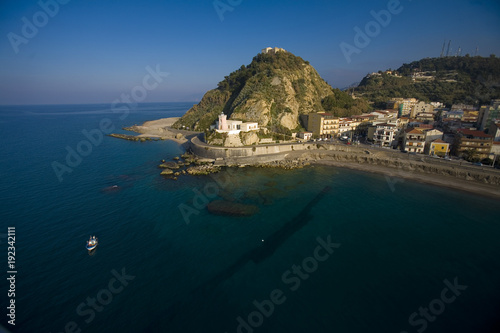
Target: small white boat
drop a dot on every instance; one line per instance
(92, 243)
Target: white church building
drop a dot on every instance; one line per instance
(223, 125)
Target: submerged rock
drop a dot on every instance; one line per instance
(111, 189)
(228, 208)
(167, 172)
(169, 165)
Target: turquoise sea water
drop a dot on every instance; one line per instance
(393, 247)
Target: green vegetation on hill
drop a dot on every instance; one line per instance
(273, 90)
(340, 104)
(471, 80)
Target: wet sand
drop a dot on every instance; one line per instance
(471, 186)
(160, 128)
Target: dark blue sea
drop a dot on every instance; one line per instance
(329, 250)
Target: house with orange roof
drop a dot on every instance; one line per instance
(414, 140)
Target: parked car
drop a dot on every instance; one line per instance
(478, 164)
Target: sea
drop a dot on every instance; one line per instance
(326, 250)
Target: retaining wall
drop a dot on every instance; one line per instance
(207, 151)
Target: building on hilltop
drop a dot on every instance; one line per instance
(272, 50)
(324, 125)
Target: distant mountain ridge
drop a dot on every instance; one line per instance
(470, 80)
(275, 89)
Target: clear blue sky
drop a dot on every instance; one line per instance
(93, 51)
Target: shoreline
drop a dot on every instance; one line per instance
(484, 182)
(471, 187)
(159, 129)
(448, 176)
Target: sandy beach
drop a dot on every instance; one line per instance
(387, 162)
(482, 181)
(397, 175)
(160, 128)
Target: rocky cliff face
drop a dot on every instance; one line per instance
(274, 90)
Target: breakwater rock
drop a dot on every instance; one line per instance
(203, 169)
(131, 137)
(284, 164)
(167, 172)
(170, 165)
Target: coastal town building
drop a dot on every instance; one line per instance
(476, 140)
(403, 122)
(386, 114)
(455, 114)
(323, 124)
(495, 150)
(451, 124)
(437, 105)
(306, 136)
(404, 105)
(488, 114)
(364, 118)
(470, 116)
(439, 148)
(344, 125)
(494, 130)
(348, 125)
(421, 107)
(461, 107)
(425, 116)
(383, 135)
(414, 141)
(224, 125)
(423, 126)
(432, 135)
(247, 127)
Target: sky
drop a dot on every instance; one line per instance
(83, 52)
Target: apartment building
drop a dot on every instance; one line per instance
(323, 124)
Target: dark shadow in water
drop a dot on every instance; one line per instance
(271, 244)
